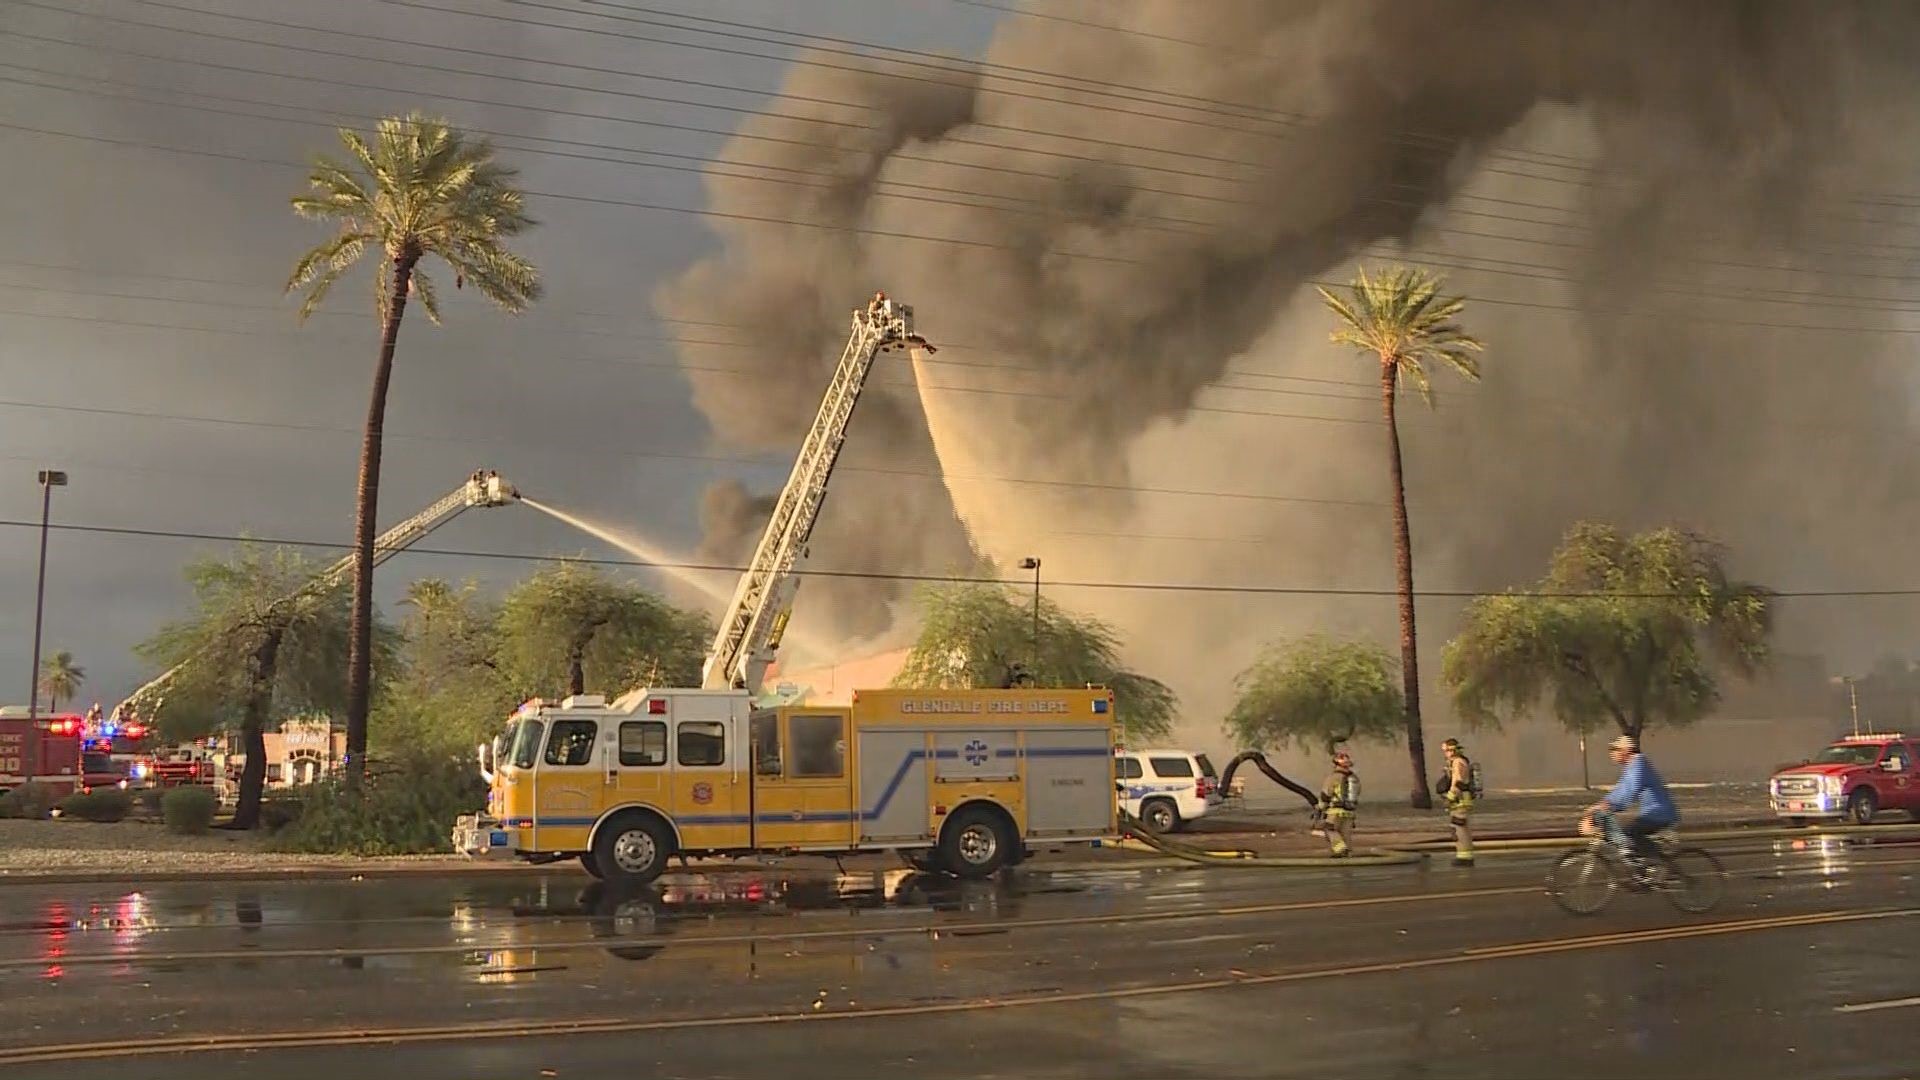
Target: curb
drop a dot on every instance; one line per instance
(1187, 858)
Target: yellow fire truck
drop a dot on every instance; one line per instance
(961, 780)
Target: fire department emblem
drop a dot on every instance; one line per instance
(976, 752)
(703, 793)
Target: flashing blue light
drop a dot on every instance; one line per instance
(1099, 705)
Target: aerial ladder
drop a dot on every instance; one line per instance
(483, 488)
(752, 625)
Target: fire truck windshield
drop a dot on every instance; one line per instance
(526, 742)
(1853, 754)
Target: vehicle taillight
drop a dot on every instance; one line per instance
(1203, 787)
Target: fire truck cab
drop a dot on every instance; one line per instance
(960, 780)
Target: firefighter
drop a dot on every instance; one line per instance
(1459, 786)
(1339, 799)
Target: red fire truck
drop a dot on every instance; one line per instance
(53, 748)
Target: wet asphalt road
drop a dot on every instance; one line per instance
(1804, 970)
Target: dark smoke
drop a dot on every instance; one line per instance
(1718, 142)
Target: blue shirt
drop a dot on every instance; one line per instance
(1641, 787)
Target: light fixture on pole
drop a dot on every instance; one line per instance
(49, 479)
(1033, 564)
(1853, 699)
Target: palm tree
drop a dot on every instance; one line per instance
(1401, 320)
(60, 678)
(419, 188)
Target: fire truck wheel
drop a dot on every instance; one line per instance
(587, 860)
(976, 843)
(632, 849)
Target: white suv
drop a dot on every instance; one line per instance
(1165, 789)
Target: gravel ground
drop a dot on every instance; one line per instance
(33, 848)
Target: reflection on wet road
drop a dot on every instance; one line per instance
(693, 975)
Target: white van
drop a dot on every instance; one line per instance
(1166, 789)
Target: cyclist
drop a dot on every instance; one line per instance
(1641, 789)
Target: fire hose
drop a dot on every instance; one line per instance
(1412, 854)
(1415, 853)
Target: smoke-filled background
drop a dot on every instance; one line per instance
(1685, 232)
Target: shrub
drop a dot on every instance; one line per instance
(279, 810)
(100, 804)
(188, 809)
(146, 801)
(29, 800)
(405, 807)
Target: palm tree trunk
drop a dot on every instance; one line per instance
(1403, 563)
(366, 506)
(253, 727)
(576, 672)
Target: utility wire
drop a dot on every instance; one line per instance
(869, 575)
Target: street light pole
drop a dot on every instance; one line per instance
(49, 479)
(1033, 564)
(1853, 699)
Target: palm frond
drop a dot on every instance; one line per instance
(423, 292)
(412, 187)
(506, 279)
(1400, 318)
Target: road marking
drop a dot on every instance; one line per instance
(1876, 1006)
(684, 942)
(150, 1047)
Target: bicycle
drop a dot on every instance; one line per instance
(1584, 880)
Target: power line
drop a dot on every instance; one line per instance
(981, 244)
(1446, 142)
(548, 447)
(1752, 294)
(1172, 224)
(441, 47)
(1897, 200)
(870, 575)
(1210, 175)
(989, 245)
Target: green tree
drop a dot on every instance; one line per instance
(1400, 321)
(1623, 629)
(60, 679)
(448, 692)
(981, 635)
(260, 644)
(418, 188)
(1317, 692)
(571, 627)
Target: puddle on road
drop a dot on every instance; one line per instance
(351, 927)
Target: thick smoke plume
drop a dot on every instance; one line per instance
(1138, 216)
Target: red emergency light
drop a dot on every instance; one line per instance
(656, 706)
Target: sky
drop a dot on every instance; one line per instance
(146, 347)
(1686, 233)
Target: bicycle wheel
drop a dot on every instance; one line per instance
(1694, 880)
(1582, 881)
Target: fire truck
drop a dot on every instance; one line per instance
(54, 748)
(955, 780)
